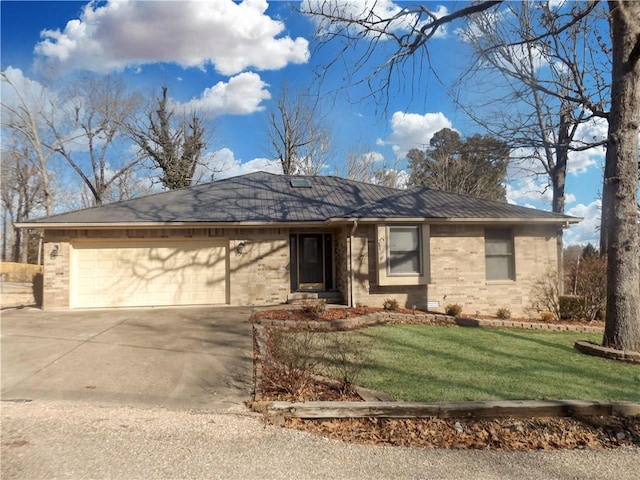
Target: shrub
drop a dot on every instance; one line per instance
(292, 358)
(586, 277)
(503, 313)
(571, 307)
(547, 316)
(290, 361)
(544, 294)
(346, 355)
(453, 310)
(314, 308)
(591, 285)
(391, 304)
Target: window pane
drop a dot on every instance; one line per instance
(497, 247)
(403, 238)
(499, 268)
(499, 258)
(404, 250)
(310, 250)
(406, 262)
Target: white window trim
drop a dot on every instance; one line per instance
(384, 278)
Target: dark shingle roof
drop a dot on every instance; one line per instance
(264, 197)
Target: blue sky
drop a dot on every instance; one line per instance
(229, 60)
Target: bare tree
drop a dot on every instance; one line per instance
(419, 25)
(474, 166)
(174, 146)
(298, 140)
(96, 111)
(27, 109)
(552, 84)
(22, 193)
(359, 167)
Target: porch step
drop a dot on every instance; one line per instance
(300, 298)
(297, 298)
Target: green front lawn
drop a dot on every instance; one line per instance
(432, 363)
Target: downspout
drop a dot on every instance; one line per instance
(352, 273)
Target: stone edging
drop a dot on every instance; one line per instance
(605, 352)
(379, 318)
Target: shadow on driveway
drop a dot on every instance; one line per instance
(187, 357)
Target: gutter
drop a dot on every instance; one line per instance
(352, 273)
(316, 223)
(458, 220)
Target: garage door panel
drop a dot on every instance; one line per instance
(149, 274)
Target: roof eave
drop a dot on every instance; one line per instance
(139, 225)
(317, 223)
(470, 220)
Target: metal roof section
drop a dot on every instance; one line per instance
(264, 199)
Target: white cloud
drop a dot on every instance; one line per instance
(229, 36)
(373, 157)
(243, 94)
(223, 164)
(529, 189)
(412, 130)
(593, 131)
(586, 231)
(581, 162)
(19, 91)
(533, 192)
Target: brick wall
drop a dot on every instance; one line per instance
(260, 274)
(457, 270)
(56, 273)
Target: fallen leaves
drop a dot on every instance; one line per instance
(498, 434)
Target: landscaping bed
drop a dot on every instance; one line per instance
(496, 434)
(499, 433)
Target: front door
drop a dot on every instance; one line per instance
(311, 261)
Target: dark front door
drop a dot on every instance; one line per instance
(311, 261)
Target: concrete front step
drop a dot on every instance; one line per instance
(301, 298)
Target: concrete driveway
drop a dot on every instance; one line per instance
(195, 357)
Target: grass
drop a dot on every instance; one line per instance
(432, 363)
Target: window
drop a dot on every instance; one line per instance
(403, 255)
(498, 251)
(404, 251)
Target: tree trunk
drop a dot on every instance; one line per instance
(620, 196)
(558, 180)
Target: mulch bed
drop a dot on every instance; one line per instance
(329, 314)
(340, 313)
(465, 433)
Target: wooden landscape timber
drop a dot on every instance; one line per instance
(489, 409)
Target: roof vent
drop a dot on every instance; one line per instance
(300, 183)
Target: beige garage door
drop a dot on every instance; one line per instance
(137, 274)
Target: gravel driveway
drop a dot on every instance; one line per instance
(44, 439)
